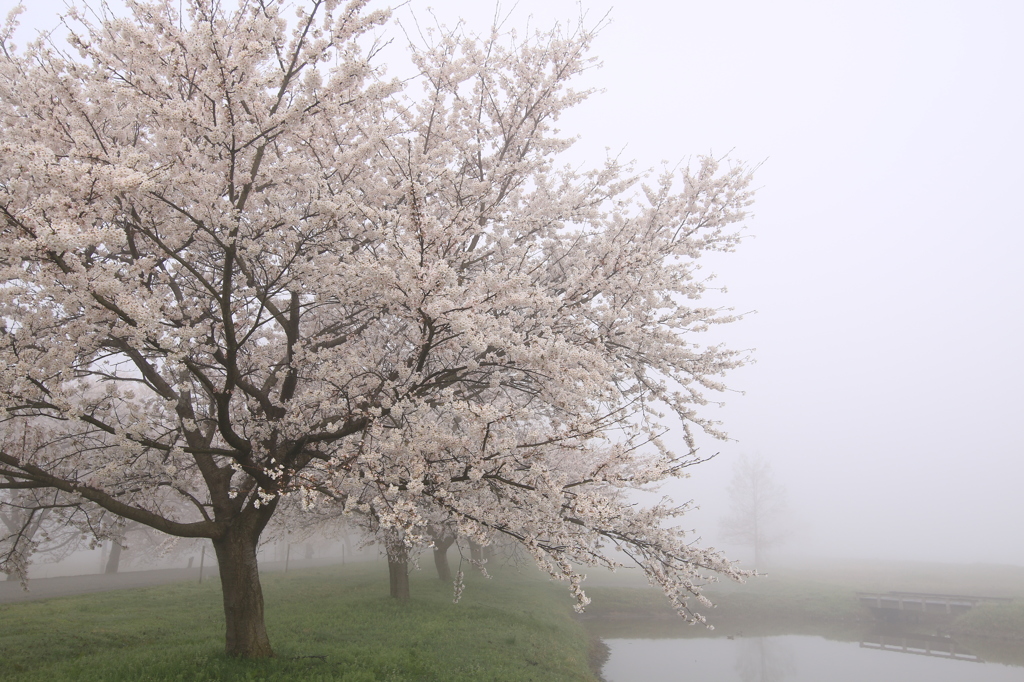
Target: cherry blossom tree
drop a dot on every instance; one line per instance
(293, 278)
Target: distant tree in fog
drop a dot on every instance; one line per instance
(35, 519)
(757, 505)
(145, 544)
(34, 522)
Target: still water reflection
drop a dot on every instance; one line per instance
(792, 658)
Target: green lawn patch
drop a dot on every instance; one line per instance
(334, 623)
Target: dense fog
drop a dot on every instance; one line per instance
(884, 260)
(884, 257)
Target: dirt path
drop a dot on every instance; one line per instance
(48, 588)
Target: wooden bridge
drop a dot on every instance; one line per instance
(922, 645)
(908, 603)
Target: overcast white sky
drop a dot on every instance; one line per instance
(888, 255)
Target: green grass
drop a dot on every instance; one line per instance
(817, 600)
(337, 623)
(334, 623)
(1000, 621)
(757, 609)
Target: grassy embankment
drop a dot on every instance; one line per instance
(334, 623)
(822, 601)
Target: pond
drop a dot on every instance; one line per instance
(800, 658)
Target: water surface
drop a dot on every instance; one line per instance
(798, 658)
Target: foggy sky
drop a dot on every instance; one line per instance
(885, 256)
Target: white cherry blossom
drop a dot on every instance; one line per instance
(238, 265)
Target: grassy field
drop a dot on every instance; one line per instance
(337, 623)
(334, 623)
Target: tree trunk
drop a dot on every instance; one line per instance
(757, 537)
(114, 558)
(444, 571)
(399, 574)
(243, 595)
(398, 569)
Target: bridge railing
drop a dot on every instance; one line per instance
(924, 602)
